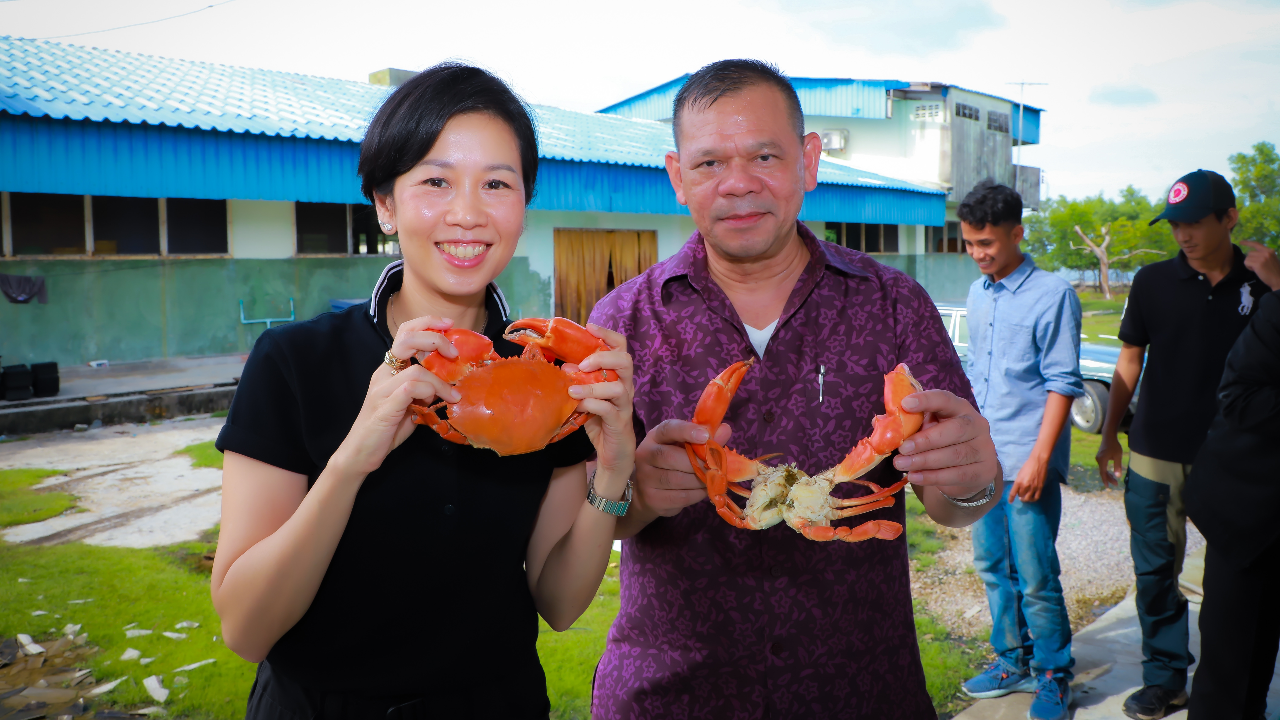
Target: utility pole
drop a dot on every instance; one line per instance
(1022, 129)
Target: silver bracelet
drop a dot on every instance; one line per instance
(617, 508)
(969, 502)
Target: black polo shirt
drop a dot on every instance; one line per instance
(426, 593)
(1188, 327)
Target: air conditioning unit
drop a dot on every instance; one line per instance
(834, 140)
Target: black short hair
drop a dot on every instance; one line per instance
(990, 203)
(727, 77)
(412, 118)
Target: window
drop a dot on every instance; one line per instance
(367, 237)
(962, 328)
(126, 226)
(45, 224)
(945, 239)
(196, 227)
(998, 121)
(927, 111)
(968, 112)
(322, 227)
(867, 237)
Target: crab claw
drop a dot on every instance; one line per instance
(557, 338)
(712, 406)
(888, 430)
(473, 350)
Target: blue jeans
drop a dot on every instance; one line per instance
(1015, 555)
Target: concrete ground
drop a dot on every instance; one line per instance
(132, 490)
(81, 381)
(1109, 663)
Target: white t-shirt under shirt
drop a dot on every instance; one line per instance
(760, 338)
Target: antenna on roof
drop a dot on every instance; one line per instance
(1022, 131)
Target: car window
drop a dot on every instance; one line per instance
(961, 335)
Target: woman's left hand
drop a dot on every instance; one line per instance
(610, 428)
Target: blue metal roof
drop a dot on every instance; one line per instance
(101, 122)
(835, 97)
(73, 82)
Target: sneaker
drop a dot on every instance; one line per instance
(1153, 702)
(1053, 696)
(996, 681)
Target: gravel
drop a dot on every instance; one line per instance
(1093, 550)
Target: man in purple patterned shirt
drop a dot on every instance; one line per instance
(718, 622)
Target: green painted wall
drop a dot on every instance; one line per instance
(122, 310)
(945, 277)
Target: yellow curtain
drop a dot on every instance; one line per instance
(583, 259)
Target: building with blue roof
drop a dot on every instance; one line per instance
(154, 195)
(924, 133)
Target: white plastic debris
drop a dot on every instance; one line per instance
(131, 654)
(23, 580)
(71, 630)
(153, 710)
(104, 688)
(187, 624)
(136, 633)
(144, 661)
(29, 646)
(38, 613)
(180, 680)
(79, 602)
(194, 665)
(174, 635)
(155, 689)
(126, 627)
(977, 608)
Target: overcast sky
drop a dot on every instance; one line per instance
(1139, 91)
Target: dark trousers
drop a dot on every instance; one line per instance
(1239, 637)
(1157, 560)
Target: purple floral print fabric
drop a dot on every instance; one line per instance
(719, 622)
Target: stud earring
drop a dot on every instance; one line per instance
(386, 227)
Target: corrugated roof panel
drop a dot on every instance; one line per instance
(57, 80)
(836, 97)
(652, 104)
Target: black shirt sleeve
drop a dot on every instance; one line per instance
(1133, 327)
(265, 419)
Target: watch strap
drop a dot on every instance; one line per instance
(969, 502)
(617, 508)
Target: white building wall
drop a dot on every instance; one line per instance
(262, 229)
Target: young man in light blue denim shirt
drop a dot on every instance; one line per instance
(1024, 365)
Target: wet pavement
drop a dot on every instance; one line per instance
(131, 488)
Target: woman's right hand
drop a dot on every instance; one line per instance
(384, 420)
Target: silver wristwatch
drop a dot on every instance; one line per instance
(617, 508)
(969, 502)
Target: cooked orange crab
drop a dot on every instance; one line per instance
(512, 405)
(785, 493)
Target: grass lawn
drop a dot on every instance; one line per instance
(158, 588)
(1096, 326)
(19, 504)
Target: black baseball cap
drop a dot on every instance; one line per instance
(1195, 195)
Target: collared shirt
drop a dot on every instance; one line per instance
(409, 548)
(718, 622)
(1024, 343)
(1188, 326)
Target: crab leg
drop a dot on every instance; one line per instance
(717, 483)
(882, 529)
(887, 431)
(557, 339)
(427, 416)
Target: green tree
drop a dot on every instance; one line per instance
(1257, 186)
(1098, 234)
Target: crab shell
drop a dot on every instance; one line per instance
(512, 405)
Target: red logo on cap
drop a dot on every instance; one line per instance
(1178, 193)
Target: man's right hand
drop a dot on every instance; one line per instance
(1110, 453)
(665, 483)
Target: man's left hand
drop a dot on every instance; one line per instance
(1030, 481)
(953, 451)
(1263, 262)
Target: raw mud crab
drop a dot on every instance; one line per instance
(512, 405)
(785, 493)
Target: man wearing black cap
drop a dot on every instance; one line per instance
(1189, 311)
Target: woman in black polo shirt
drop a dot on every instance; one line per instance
(375, 569)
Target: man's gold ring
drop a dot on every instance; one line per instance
(396, 363)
